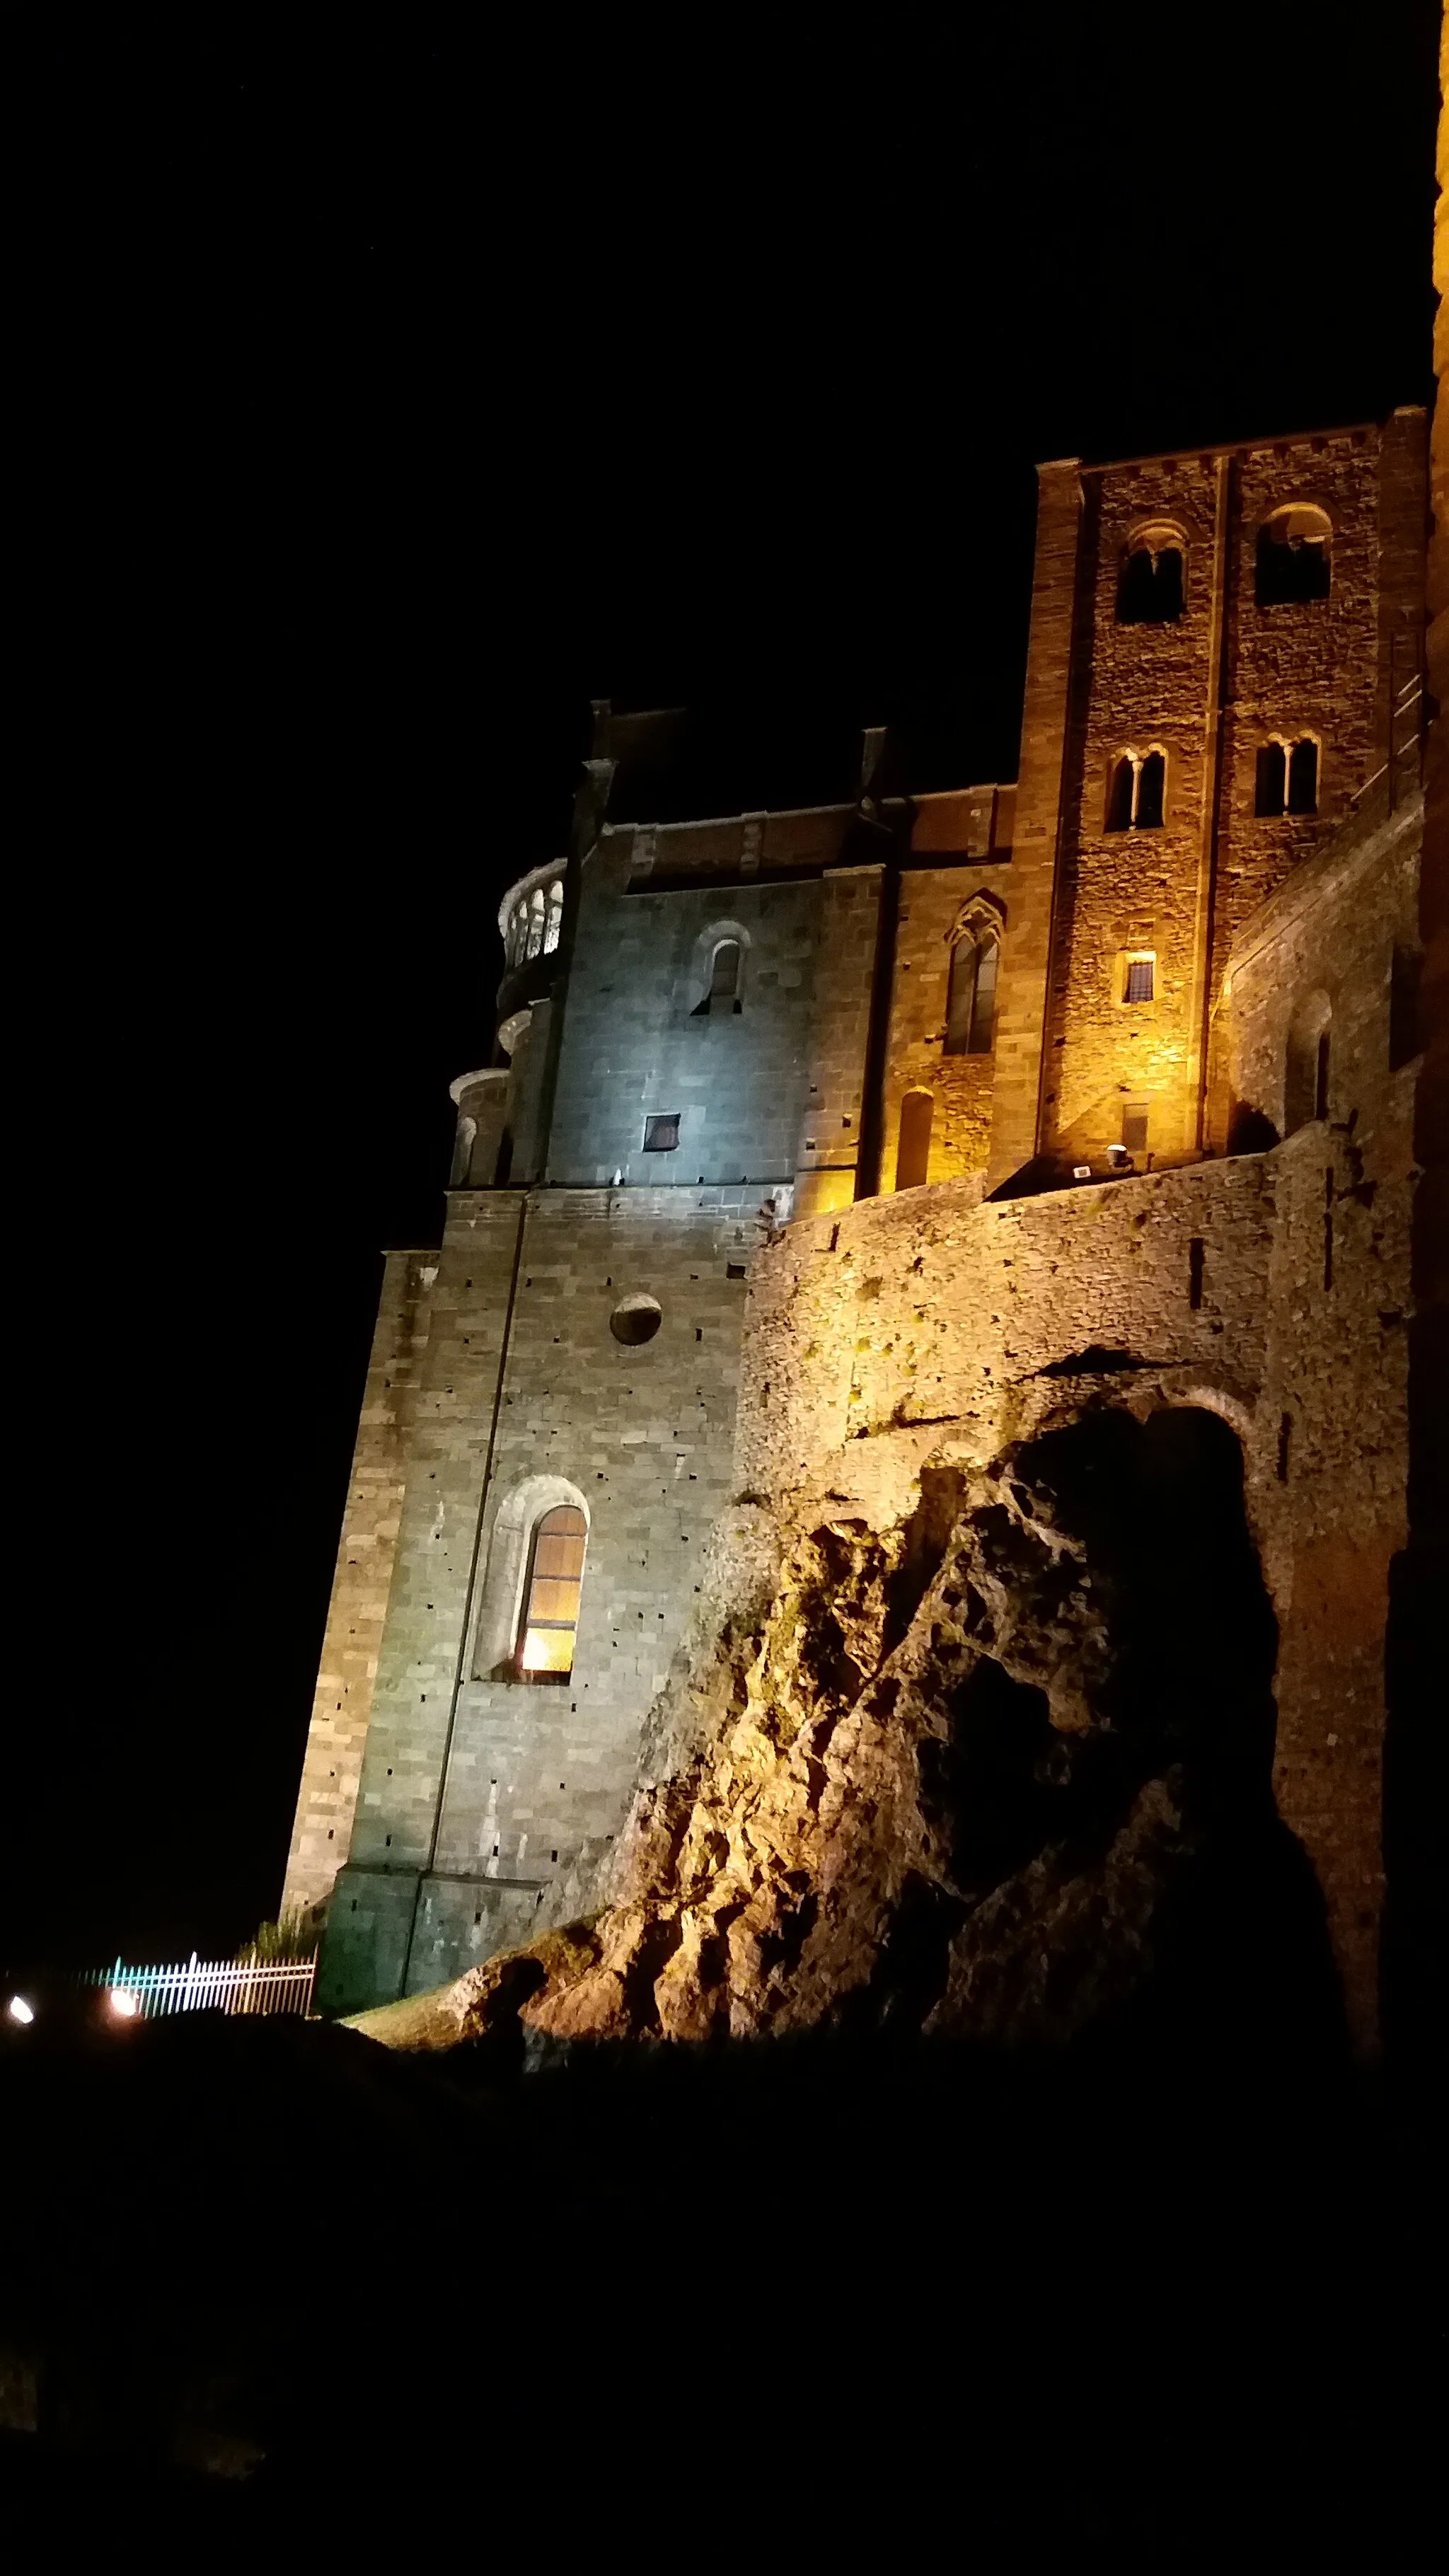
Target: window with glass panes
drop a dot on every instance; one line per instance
(555, 1575)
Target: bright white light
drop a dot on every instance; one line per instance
(20, 2009)
(124, 2003)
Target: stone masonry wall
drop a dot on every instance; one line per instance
(366, 1552)
(1207, 690)
(1333, 1407)
(1309, 668)
(539, 1772)
(932, 1308)
(930, 907)
(1294, 670)
(827, 1149)
(1145, 688)
(634, 1045)
(524, 1379)
(1026, 952)
(369, 1922)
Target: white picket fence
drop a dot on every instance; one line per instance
(210, 1985)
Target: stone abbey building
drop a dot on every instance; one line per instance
(830, 1159)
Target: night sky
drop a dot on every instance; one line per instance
(381, 399)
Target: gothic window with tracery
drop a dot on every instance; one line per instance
(971, 993)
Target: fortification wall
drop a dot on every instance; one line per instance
(931, 1309)
(1333, 1408)
(1272, 1288)
(486, 1788)
(366, 1553)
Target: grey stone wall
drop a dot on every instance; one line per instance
(487, 1789)
(372, 1515)
(634, 1046)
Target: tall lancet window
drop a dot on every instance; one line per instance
(971, 995)
(723, 991)
(551, 1596)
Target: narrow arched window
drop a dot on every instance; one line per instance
(1287, 778)
(551, 1596)
(913, 1152)
(1293, 555)
(971, 996)
(722, 993)
(1272, 779)
(1122, 796)
(1150, 591)
(555, 916)
(1303, 778)
(536, 912)
(1136, 793)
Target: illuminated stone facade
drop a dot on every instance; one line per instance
(920, 1127)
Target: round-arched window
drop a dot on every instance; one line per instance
(551, 1601)
(1150, 591)
(1294, 547)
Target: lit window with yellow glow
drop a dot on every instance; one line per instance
(555, 1575)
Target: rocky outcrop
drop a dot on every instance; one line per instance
(985, 1771)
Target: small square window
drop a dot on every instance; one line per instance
(1139, 979)
(661, 1135)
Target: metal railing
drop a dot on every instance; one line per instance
(209, 1985)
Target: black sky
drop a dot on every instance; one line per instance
(381, 397)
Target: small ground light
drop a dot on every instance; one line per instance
(124, 2003)
(20, 2010)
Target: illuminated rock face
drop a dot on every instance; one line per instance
(999, 1770)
